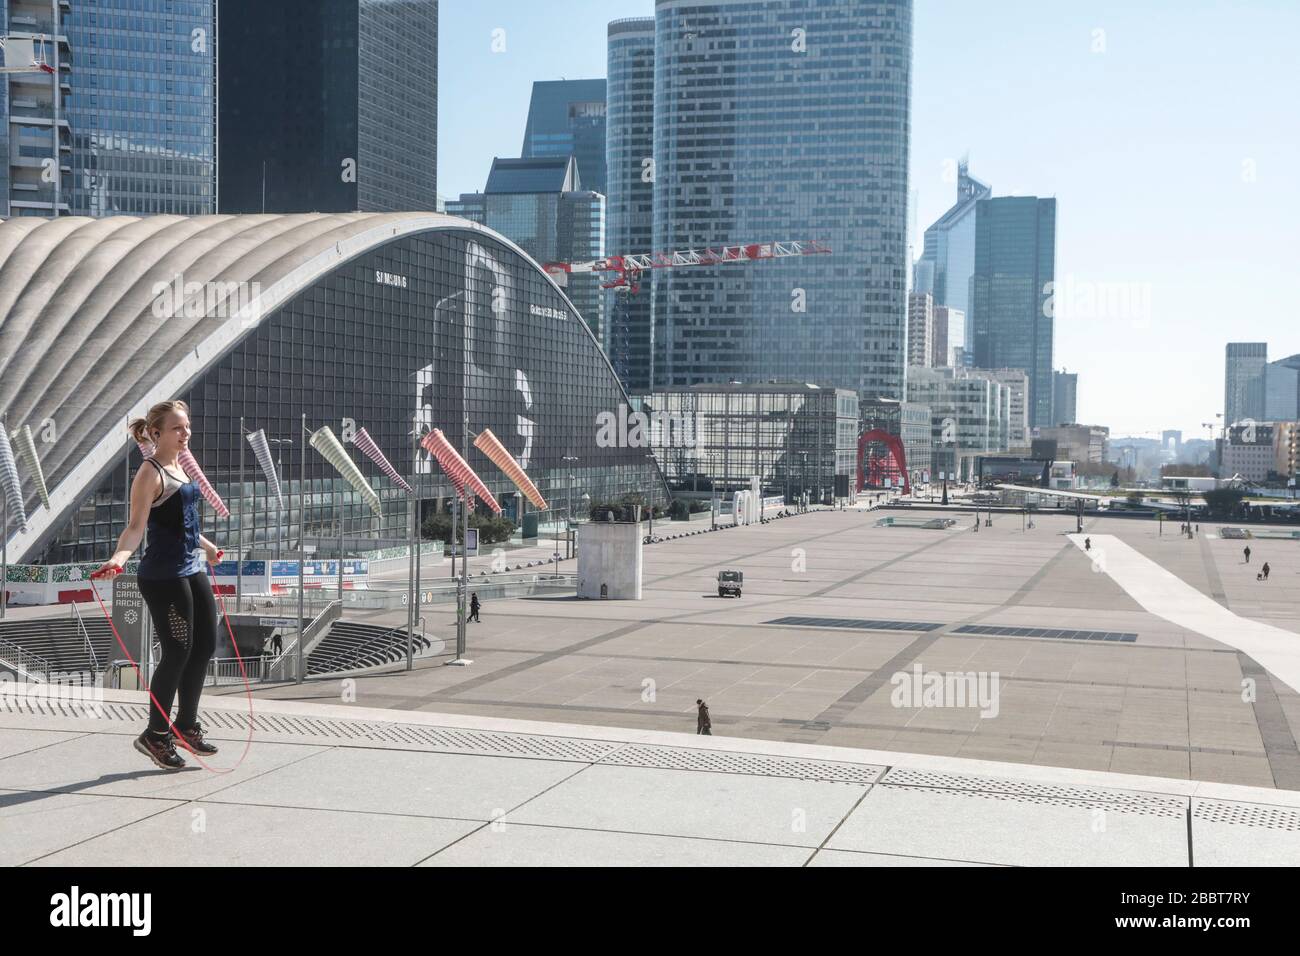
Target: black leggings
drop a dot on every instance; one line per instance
(185, 619)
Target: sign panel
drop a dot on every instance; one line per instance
(129, 611)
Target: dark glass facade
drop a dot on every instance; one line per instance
(630, 209)
(412, 333)
(1011, 293)
(793, 438)
(142, 106)
(328, 106)
(948, 261)
(782, 120)
(567, 118)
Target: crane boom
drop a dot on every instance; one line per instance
(627, 269)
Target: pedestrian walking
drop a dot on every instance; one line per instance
(1246, 552)
(1087, 544)
(1265, 570)
(703, 724)
(277, 644)
(473, 608)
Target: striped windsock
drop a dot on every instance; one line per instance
(361, 438)
(262, 452)
(462, 476)
(324, 441)
(25, 445)
(196, 474)
(9, 479)
(496, 452)
(147, 448)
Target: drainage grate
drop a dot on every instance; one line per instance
(759, 765)
(961, 783)
(1247, 814)
(1176, 810)
(854, 624)
(416, 736)
(1003, 631)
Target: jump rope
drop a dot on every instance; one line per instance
(192, 468)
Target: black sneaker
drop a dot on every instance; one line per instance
(160, 750)
(192, 740)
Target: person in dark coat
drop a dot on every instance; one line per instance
(703, 723)
(1087, 544)
(1265, 570)
(1246, 552)
(473, 607)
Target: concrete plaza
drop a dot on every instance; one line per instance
(1088, 677)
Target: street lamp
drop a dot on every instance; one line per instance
(803, 481)
(650, 484)
(567, 538)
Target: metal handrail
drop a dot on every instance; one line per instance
(37, 668)
(85, 636)
(330, 613)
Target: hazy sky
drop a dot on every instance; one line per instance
(1167, 130)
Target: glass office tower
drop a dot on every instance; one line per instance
(630, 206)
(1243, 390)
(783, 120)
(541, 205)
(328, 106)
(567, 118)
(1011, 290)
(948, 260)
(142, 107)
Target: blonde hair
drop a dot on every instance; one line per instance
(141, 429)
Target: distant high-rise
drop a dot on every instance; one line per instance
(948, 260)
(27, 111)
(629, 138)
(1010, 314)
(920, 330)
(1282, 390)
(787, 119)
(328, 106)
(949, 336)
(541, 205)
(567, 118)
(1065, 397)
(1243, 391)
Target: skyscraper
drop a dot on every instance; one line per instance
(1011, 289)
(1282, 390)
(629, 138)
(949, 337)
(541, 205)
(920, 329)
(948, 260)
(1065, 398)
(787, 119)
(328, 106)
(28, 111)
(567, 118)
(1243, 390)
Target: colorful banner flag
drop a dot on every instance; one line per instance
(462, 476)
(25, 445)
(187, 462)
(9, 479)
(262, 452)
(361, 438)
(324, 441)
(491, 446)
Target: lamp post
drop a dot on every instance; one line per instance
(302, 547)
(803, 481)
(650, 485)
(567, 535)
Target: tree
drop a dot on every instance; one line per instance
(1114, 480)
(491, 528)
(1224, 502)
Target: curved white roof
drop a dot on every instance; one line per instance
(87, 342)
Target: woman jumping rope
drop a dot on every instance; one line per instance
(172, 581)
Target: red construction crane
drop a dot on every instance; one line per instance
(627, 269)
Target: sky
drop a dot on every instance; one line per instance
(1167, 130)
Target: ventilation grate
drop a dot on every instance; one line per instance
(855, 624)
(1247, 814)
(1120, 799)
(761, 765)
(1004, 631)
(1155, 807)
